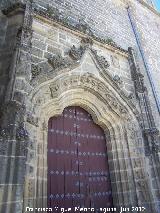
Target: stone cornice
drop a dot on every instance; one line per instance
(82, 35)
(80, 30)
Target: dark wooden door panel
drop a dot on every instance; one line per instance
(78, 173)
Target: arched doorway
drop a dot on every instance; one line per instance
(78, 173)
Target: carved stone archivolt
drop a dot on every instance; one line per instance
(101, 60)
(117, 79)
(92, 84)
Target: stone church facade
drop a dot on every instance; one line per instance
(99, 55)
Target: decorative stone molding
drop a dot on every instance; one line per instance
(117, 79)
(55, 15)
(87, 41)
(58, 62)
(77, 53)
(60, 66)
(72, 60)
(101, 60)
(151, 134)
(35, 70)
(137, 77)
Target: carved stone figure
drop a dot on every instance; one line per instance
(35, 70)
(58, 62)
(76, 53)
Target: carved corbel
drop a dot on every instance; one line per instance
(77, 53)
(58, 62)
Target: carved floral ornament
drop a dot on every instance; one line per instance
(93, 85)
(74, 57)
(59, 64)
(76, 82)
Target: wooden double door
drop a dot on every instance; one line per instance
(78, 173)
